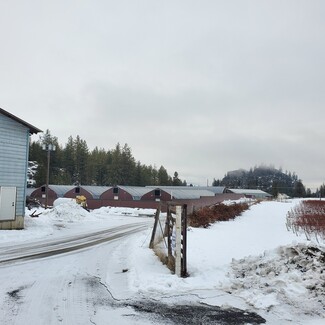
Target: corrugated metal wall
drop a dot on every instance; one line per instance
(14, 140)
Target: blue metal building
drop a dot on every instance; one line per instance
(14, 148)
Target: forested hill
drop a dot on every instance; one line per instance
(268, 179)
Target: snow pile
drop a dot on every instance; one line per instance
(242, 200)
(63, 200)
(282, 197)
(283, 277)
(67, 210)
(132, 212)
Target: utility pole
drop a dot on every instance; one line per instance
(48, 148)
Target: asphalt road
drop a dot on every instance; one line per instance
(46, 248)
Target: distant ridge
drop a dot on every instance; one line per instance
(265, 178)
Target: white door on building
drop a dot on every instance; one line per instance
(8, 203)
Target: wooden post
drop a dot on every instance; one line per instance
(152, 240)
(177, 254)
(184, 241)
(178, 250)
(169, 233)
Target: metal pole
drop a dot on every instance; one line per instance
(47, 178)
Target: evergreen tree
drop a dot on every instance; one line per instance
(216, 182)
(81, 153)
(98, 163)
(114, 170)
(299, 189)
(321, 191)
(38, 152)
(139, 175)
(128, 166)
(275, 190)
(75, 164)
(163, 178)
(176, 180)
(69, 161)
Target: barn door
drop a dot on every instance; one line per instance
(7, 203)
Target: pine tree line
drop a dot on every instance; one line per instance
(321, 191)
(75, 164)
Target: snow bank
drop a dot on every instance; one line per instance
(242, 200)
(133, 212)
(289, 275)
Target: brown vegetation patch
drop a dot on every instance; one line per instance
(204, 217)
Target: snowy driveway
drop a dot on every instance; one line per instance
(76, 276)
(71, 288)
(65, 288)
(108, 279)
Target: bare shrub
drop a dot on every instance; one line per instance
(308, 217)
(204, 217)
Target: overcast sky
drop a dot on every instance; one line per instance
(200, 87)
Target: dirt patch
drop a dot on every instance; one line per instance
(196, 314)
(161, 313)
(14, 294)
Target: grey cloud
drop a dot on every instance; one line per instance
(199, 87)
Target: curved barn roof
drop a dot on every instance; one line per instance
(60, 190)
(135, 191)
(95, 191)
(257, 193)
(181, 193)
(213, 189)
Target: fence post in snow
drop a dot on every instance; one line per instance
(178, 248)
(151, 245)
(169, 234)
(184, 241)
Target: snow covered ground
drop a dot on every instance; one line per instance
(252, 263)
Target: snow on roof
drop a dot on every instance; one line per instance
(60, 190)
(179, 193)
(95, 191)
(135, 191)
(249, 192)
(214, 189)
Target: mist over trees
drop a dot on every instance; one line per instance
(265, 178)
(74, 163)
